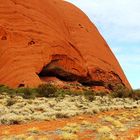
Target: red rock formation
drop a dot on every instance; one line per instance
(53, 38)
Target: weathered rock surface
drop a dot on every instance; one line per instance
(53, 38)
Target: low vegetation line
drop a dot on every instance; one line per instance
(50, 102)
(51, 91)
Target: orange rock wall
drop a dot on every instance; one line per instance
(35, 33)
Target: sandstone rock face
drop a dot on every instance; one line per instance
(46, 38)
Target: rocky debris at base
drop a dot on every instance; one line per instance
(16, 110)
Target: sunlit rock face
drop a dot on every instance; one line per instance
(39, 39)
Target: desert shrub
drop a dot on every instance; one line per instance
(77, 93)
(61, 115)
(60, 93)
(135, 94)
(101, 93)
(47, 90)
(11, 121)
(63, 92)
(89, 95)
(27, 93)
(68, 136)
(120, 91)
(6, 89)
(10, 102)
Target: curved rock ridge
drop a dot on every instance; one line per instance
(39, 39)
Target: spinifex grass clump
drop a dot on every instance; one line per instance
(10, 102)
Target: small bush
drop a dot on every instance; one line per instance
(10, 102)
(77, 93)
(101, 93)
(89, 95)
(68, 136)
(47, 90)
(63, 92)
(135, 94)
(6, 89)
(27, 93)
(120, 91)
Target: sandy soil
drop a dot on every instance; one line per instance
(112, 125)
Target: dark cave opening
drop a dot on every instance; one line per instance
(21, 85)
(92, 83)
(63, 75)
(53, 69)
(4, 38)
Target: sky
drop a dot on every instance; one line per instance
(119, 23)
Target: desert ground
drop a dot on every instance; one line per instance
(69, 118)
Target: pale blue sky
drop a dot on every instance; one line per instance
(119, 23)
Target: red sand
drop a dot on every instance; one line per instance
(60, 123)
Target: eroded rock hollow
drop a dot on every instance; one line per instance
(42, 38)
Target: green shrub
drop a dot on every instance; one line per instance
(6, 89)
(135, 94)
(27, 93)
(63, 92)
(120, 91)
(76, 93)
(47, 90)
(101, 93)
(60, 93)
(89, 95)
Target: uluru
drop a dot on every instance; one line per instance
(53, 38)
